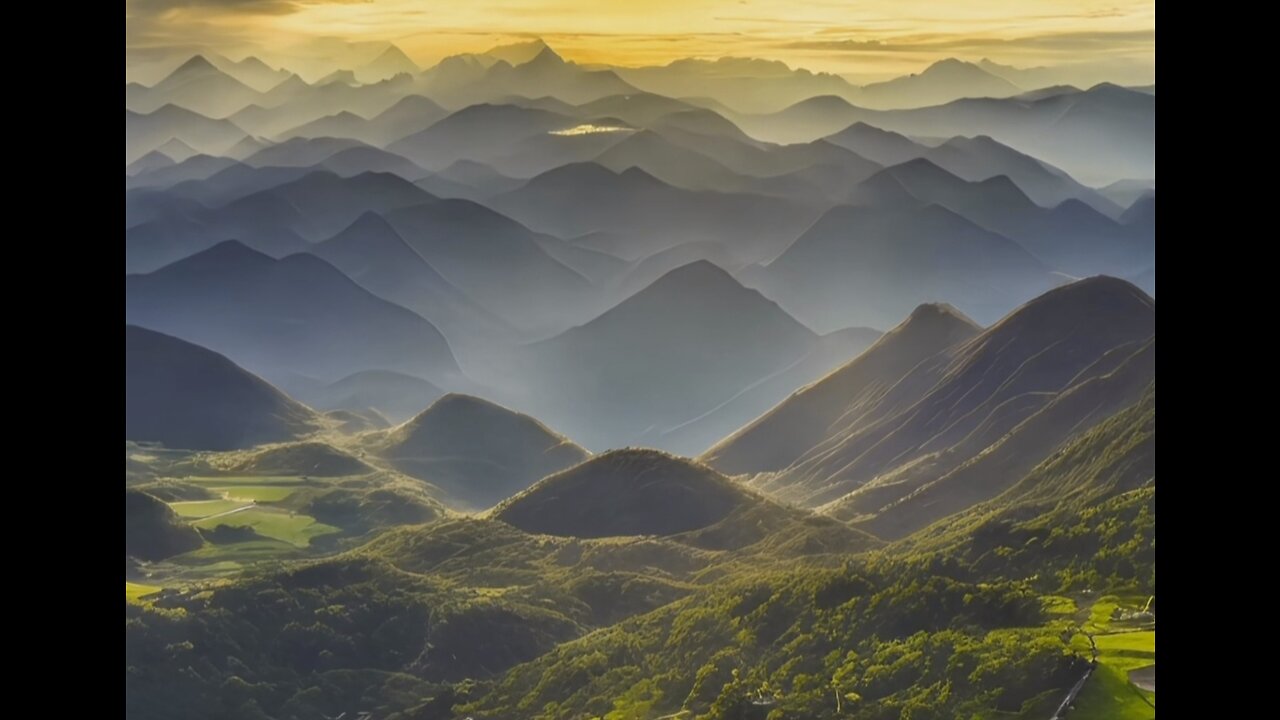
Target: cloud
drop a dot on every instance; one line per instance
(235, 7)
(1053, 42)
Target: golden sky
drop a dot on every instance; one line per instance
(853, 36)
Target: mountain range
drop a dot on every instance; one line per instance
(517, 384)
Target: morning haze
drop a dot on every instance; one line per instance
(642, 360)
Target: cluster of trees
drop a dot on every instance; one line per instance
(877, 639)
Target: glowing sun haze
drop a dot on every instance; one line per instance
(869, 36)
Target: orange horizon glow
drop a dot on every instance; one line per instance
(872, 36)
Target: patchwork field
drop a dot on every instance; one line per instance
(1109, 694)
(133, 592)
(279, 524)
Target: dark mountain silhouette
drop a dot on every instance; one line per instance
(476, 451)
(373, 254)
(292, 208)
(746, 84)
(1126, 192)
(469, 79)
(252, 72)
(346, 77)
(479, 133)
(981, 158)
(809, 119)
(941, 82)
(495, 261)
(469, 180)
(357, 160)
(387, 64)
(185, 396)
(173, 229)
(1141, 212)
(702, 122)
(1097, 135)
(196, 85)
(670, 163)
(298, 314)
(517, 53)
(408, 115)
(146, 132)
(582, 198)
(1071, 236)
(865, 266)
(177, 150)
(554, 76)
(411, 114)
(152, 161)
(196, 167)
(636, 108)
(301, 152)
(671, 352)
(882, 146)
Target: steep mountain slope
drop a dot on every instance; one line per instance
(184, 396)
(831, 351)
(476, 451)
(1085, 517)
(298, 314)
(781, 436)
(899, 504)
(958, 403)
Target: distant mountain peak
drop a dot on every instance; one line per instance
(369, 221)
(197, 64)
(227, 250)
(929, 311)
(387, 64)
(518, 53)
(1099, 299)
(455, 402)
(255, 62)
(950, 63)
(393, 53)
(825, 102)
(699, 273)
(546, 57)
(293, 82)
